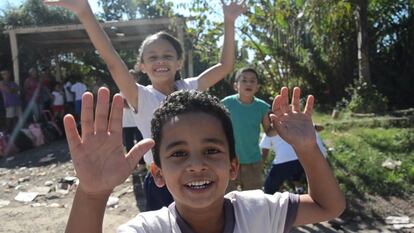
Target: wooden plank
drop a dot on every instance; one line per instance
(15, 56)
(76, 27)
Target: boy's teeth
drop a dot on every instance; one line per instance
(161, 69)
(198, 184)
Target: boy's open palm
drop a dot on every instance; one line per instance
(98, 155)
(294, 126)
(233, 9)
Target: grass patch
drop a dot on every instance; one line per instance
(357, 158)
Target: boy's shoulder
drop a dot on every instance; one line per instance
(260, 101)
(162, 220)
(229, 98)
(256, 197)
(262, 211)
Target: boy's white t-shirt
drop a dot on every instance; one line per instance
(254, 211)
(57, 98)
(284, 152)
(149, 99)
(78, 88)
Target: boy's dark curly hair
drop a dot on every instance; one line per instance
(192, 101)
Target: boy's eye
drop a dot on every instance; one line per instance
(179, 154)
(168, 57)
(212, 151)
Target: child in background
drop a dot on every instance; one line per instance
(285, 165)
(58, 104)
(195, 161)
(160, 57)
(78, 88)
(9, 91)
(247, 114)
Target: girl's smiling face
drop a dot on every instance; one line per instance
(160, 61)
(195, 161)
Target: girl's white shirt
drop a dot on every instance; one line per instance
(149, 99)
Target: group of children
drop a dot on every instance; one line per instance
(198, 147)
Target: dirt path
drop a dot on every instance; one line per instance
(48, 169)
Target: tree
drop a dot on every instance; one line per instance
(361, 20)
(133, 9)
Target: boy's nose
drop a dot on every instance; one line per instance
(196, 164)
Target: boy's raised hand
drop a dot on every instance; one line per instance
(294, 126)
(73, 5)
(233, 9)
(98, 155)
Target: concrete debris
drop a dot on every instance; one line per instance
(48, 158)
(4, 203)
(403, 226)
(38, 205)
(24, 179)
(397, 220)
(391, 164)
(40, 190)
(112, 202)
(26, 196)
(56, 205)
(48, 183)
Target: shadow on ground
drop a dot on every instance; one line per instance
(55, 152)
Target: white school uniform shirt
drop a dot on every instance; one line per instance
(284, 151)
(254, 212)
(149, 99)
(57, 98)
(78, 88)
(68, 94)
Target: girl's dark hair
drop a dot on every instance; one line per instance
(190, 101)
(175, 43)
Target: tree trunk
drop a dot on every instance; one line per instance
(361, 18)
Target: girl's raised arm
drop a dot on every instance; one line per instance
(100, 40)
(217, 72)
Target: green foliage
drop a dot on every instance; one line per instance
(133, 9)
(34, 13)
(366, 98)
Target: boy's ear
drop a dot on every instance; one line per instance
(234, 168)
(157, 175)
(235, 86)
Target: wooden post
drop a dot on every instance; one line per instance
(190, 63)
(15, 56)
(180, 36)
(57, 68)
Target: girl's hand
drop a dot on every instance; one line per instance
(233, 10)
(75, 6)
(98, 155)
(294, 126)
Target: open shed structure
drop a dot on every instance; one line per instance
(60, 39)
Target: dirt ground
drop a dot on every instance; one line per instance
(48, 171)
